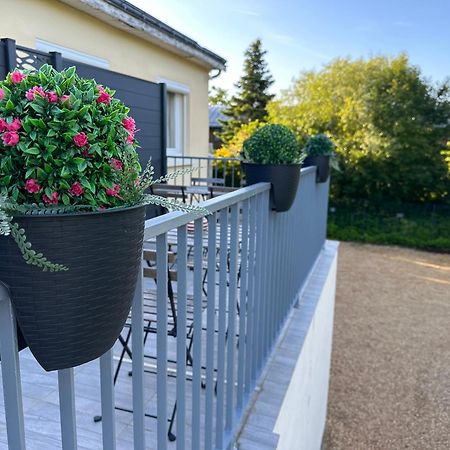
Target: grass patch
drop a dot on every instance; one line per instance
(425, 227)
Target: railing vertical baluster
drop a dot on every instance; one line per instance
(279, 271)
(210, 327)
(222, 324)
(258, 290)
(272, 277)
(250, 299)
(137, 327)
(199, 167)
(107, 396)
(197, 330)
(243, 306)
(263, 295)
(287, 301)
(12, 387)
(161, 339)
(232, 309)
(265, 263)
(181, 335)
(232, 173)
(66, 388)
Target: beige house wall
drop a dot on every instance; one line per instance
(57, 23)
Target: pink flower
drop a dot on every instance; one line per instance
(2, 94)
(32, 187)
(65, 98)
(10, 138)
(52, 97)
(129, 124)
(113, 192)
(3, 125)
(76, 190)
(130, 137)
(31, 93)
(116, 164)
(17, 77)
(51, 201)
(16, 125)
(103, 96)
(80, 139)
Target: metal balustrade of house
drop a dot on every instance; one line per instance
(208, 169)
(243, 267)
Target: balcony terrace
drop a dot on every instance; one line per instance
(231, 323)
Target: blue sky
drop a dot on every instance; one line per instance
(305, 34)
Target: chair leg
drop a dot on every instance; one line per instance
(170, 435)
(125, 349)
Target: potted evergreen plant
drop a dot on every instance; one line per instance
(272, 154)
(72, 211)
(319, 151)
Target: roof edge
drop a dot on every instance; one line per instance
(124, 15)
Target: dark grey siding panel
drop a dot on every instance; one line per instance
(144, 100)
(3, 71)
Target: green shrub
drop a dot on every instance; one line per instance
(425, 227)
(272, 144)
(319, 144)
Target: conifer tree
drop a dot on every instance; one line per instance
(250, 101)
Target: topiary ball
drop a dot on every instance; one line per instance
(319, 145)
(272, 144)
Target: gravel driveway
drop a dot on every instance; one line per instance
(390, 377)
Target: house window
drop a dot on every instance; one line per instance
(177, 116)
(175, 123)
(74, 55)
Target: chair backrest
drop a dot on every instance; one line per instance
(207, 181)
(169, 190)
(150, 272)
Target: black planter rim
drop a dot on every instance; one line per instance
(270, 164)
(113, 210)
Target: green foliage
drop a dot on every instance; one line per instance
(319, 144)
(218, 97)
(425, 227)
(250, 101)
(388, 123)
(272, 144)
(46, 151)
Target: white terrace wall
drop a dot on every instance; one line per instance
(301, 421)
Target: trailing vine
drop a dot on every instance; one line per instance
(29, 255)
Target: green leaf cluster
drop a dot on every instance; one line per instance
(389, 124)
(46, 151)
(272, 144)
(319, 145)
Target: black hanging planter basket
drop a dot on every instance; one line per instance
(70, 318)
(323, 166)
(283, 177)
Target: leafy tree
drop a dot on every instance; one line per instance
(389, 124)
(218, 96)
(250, 101)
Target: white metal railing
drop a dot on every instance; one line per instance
(256, 261)
(226, 171)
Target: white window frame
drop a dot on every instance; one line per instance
(72, 54)
(180, 115)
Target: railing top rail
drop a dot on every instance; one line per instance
(167, 222)
(32, 51)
